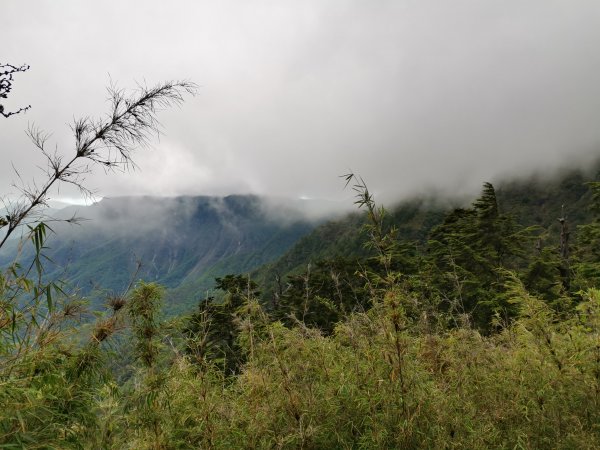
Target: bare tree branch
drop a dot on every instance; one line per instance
(107, 142)
(6, 79)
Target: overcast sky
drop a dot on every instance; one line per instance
(409, 94)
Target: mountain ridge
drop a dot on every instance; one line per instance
(185, 242)
(178, 241)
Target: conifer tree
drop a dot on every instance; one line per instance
(543, 276)
(467, 252)
(212, 331)
(323, 294)
(588, 244)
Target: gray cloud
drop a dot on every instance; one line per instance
(408, 94)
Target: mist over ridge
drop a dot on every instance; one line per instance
(149, 212)
(146, 212)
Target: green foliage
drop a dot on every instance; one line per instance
(323, 295)
(588, 243)
(467, 340)
(143, 308)
(379, 381)
(212, 331)
(469, 250)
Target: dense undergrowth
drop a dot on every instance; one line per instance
(464, 346)
(381, 380)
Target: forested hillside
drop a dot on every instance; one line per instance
(182, 243)
(461, 328)
(528, 211)
(531, 200)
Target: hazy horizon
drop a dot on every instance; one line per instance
(412, 96)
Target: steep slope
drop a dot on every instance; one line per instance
(343, 238)
(182, 242)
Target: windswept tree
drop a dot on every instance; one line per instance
(470, 252)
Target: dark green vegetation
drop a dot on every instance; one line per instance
(451, 254)
(473, 327)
